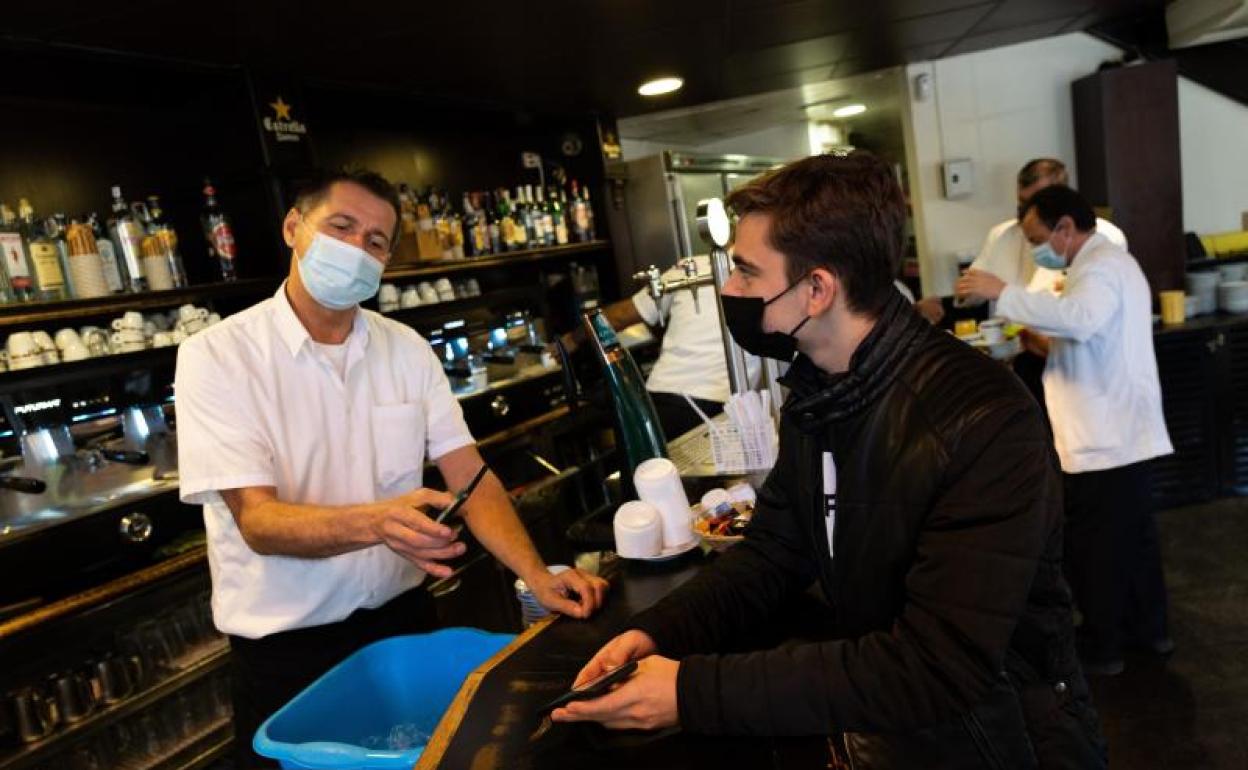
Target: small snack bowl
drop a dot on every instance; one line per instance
(723, 527)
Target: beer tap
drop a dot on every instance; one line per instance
(656, 287)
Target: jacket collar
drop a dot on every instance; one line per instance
(818, 398)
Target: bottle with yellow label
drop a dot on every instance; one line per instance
(45, 259)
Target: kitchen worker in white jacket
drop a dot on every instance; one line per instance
(1104, 403)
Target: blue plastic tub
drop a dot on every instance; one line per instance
(406, 680)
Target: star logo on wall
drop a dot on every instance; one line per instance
(281, 108)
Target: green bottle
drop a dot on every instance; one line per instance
(636, 423)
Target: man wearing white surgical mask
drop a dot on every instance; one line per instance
(304, 423)
(1104, 400)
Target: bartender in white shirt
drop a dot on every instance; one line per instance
(304, 423)
(1006, 252)
(691, 356)
(1104, 402)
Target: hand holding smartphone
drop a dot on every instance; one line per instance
(594, 688)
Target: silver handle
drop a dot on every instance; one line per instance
(136, 527)
(500, 406)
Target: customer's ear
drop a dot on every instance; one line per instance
(825, 288)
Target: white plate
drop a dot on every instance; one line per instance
(672, 553)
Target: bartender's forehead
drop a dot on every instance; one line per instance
(1034, 228)
(355, 202)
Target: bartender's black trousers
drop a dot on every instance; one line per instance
(268, 672)
(1113, 562)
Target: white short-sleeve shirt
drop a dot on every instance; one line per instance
(260, 404)
(691, 359)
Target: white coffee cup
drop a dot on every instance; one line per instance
(388, 293)
(26, 361)
(658, 483)
(131, 320)
(410, 298)
(75, 352)
(213, 318)
(128, 337)
(445, 290)
(638, 530)
(190, 327)
(178, 336)
(67, 337)
(189, 312)
(428, 294)
(21, 344)
(162, 340)
(992, 331)
(43, 340)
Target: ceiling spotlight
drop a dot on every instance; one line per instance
(660, 86)
(849, 110)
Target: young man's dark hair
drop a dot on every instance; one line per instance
(1057, 201)
(1042, 168)
(844, 213)
(312, 192)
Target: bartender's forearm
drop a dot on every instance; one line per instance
(490, 514)
(271, 527)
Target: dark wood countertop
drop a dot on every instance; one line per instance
(491, 725)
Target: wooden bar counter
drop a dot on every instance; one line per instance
(494, 722)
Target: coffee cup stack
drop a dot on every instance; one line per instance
(128, 333)
(661, 520)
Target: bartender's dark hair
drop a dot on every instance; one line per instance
(843, 213)
(311, 193)
(1042, 168)
(1057, 201)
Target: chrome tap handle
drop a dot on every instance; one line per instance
(653, 278)
(690, 266)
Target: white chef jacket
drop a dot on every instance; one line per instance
(260, 404)
(1007, 255)
(691, 358)
(1100, 380)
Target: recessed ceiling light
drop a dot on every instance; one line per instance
(660, 86)
(849, 110)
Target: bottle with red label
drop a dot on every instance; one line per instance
(218, 233)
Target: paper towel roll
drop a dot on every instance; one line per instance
(638, 529)
(658, 483)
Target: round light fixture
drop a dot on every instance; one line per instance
(660, 86)
(849, 110)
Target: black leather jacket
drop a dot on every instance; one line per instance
(951, 616)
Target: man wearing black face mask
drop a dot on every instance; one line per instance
(915, 486)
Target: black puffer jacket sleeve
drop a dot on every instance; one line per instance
(977, 551)
(745, 584)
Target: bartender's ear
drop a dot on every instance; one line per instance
(290, 226)
(824, 287)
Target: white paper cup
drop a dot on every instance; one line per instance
(658, 483)
(638, 530)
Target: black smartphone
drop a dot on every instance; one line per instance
(594, 688)
(462, 497)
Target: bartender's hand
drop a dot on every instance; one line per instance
(1034, 342)
(646, 701)
(555, 592)
(931, 309)
(401, 525)
(977, 283)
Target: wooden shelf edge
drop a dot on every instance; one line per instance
(440, 267)
(23, 314)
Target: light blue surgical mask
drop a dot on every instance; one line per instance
(337, 274)
(1045, 256)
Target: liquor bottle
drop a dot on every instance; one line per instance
(167, 239)
(548, 217)
(57, 226)
(44, 258)
(455, 221)
(532, 219)
(407, 212)
(128, 234)
(591, 230)
(493, 224)
(114, 269)
(20, 286)
(558, 216)
(636, 422)
(513, 223)
(580, 222)
(218, 234)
